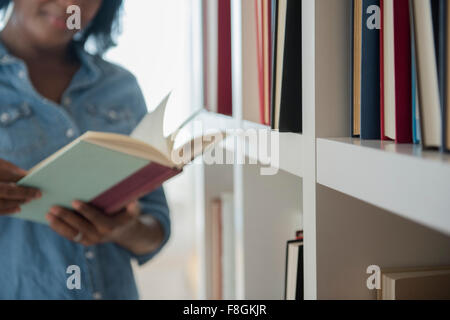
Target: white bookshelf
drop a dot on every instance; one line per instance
(289, 156)
(359, 203)
(402, 179)
(364, 203)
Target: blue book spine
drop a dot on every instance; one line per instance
(415, 101)
(416, 135)
(370, 71)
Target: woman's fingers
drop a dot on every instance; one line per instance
(8, 211)
(13, 196)
(64, 229)
(104, 224)
(60, 227)
(77, 223)
(11, 191)
(10, 206)
(10, 172)
(94, 225)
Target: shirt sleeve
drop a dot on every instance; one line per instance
(155, 204)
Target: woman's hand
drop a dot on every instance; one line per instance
(89, 226)
(13, 196)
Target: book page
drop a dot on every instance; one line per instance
(151, 129)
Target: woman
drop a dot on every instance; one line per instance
(53, 91)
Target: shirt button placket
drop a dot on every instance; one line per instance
(22, 75)
(90, 255)
(70, 133)
(97, 295)
(67, 101)
(4, 117)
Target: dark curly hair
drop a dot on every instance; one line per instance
(103, 28)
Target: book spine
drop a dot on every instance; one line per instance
(270, 58)
(299, 291)
(442, 69)
(414, 100)
(370, 72)
(291, 93)
(427, 76)
(274, 61)
(352, 68)
(224, 87)
(134, 187)
(260, 56)
(266, 59)
(383, 136)
(446, 103)
(402, 45)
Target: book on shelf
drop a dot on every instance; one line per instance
(446, 79)
(228, 247)
(396, 113)
(366, 71)
(414, 89)
(264, 52)
(356, 67)
(415, 284)
(222, 249)
(427, 75)
(287, 82)
(440, 10)
(210, 16)
(271, 43)
(224, 85)
(412, 54)
(253, 76)
(110, 170)
(278, 54)
(215, 229)
(294, 270)
(217, 41)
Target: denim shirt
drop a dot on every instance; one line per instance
(33, 258)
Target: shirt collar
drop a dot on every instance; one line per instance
(88, 74)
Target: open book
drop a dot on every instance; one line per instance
(110, 170)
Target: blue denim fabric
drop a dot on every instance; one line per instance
(33, 258)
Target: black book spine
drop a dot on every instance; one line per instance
(286, 263)
(352, 57)
(274, 60)
(299, 294)
(291, 93)
(442, 68)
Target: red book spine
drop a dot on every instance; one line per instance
(134, 187)
(224, 90)
(403, 99)
(266, 60)
(383, 137)
(260, 56)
